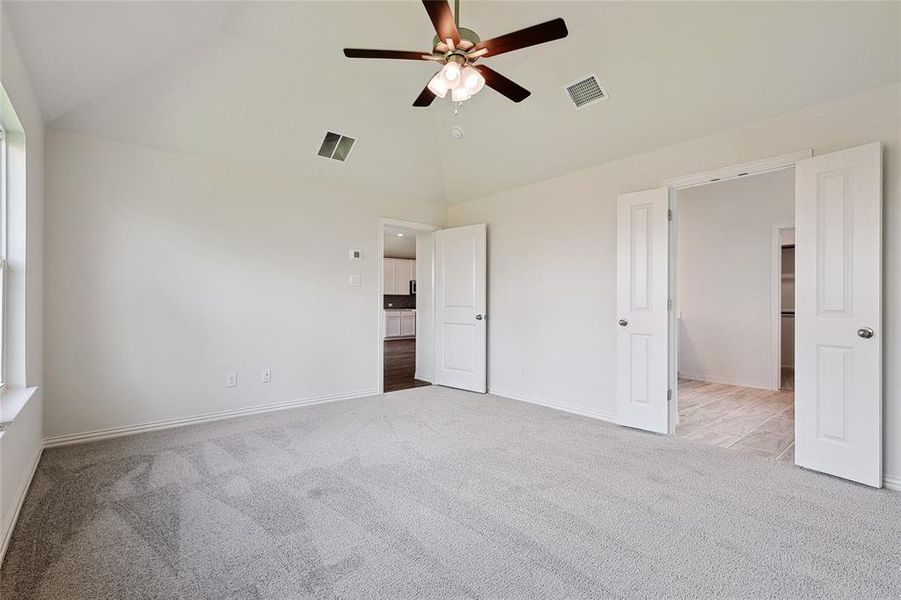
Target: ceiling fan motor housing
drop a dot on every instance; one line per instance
(466, 35)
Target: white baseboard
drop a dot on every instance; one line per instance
(726, 380)
(6, 532)
(891, 482)
(102, 434)
(576, 410)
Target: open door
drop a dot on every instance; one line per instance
(838, 310)
(642, 295)
(461, 278)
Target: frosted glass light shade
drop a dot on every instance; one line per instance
(451, 75)
(472, 80)
(459, 94)
(437, 86)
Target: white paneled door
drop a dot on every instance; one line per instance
(642, 294)
(461, 271)
(838, 347)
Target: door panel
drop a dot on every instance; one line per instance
(460, 306)
(642, 332)
(838, 393)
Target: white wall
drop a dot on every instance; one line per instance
(552, 254)
(165, 272)
(20, 443)
(400, 247)
(724, 278)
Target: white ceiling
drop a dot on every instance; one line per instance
(260, 82)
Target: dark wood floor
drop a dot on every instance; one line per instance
(400, 365)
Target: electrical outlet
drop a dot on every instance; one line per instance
(231, 379)
(267, 376)
(354, 281)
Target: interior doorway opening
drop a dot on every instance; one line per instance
(406, 338)
(733, 290)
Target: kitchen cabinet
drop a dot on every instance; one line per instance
(400, 323)
(398, 274)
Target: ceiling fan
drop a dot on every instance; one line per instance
(458, 49)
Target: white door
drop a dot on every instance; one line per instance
(461, 271)
(642, 294)
(838, 292)
(388, 279)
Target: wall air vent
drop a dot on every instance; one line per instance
(586, 91)
(336, 146)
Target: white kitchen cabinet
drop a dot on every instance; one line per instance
(389, 276)
(408, 324)
(392, 325)
(398, 274)
(400, 323)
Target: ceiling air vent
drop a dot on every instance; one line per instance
(586, 91)
(336, 146)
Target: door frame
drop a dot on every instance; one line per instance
(776, 302)
(380, 288)
(674, 184)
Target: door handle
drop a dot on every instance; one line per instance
(623, 322)
(479, 317)
(865, 332)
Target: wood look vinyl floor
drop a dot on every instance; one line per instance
(400, 365)
(751, 420)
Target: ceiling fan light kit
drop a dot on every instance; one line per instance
(459, 48)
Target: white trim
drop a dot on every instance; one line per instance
(754, 167)
(380, 288)
(6, 533)
(776, 304)
(890, 482)
(706, 377)
(102, 434)
(583, 412)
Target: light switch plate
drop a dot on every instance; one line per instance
(354, 254)
(354, 281)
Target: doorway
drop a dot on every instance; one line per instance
(734, 303)
(838, 308)
(405, 305)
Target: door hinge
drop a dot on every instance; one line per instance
(669, 214)
(669, 305)
(669, 395)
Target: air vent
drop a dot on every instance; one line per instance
(336, 146)
(586, 91)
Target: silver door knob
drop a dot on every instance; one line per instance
(865, 332)
(479, 317)
(623, 322)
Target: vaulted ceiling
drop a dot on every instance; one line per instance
(259, 83)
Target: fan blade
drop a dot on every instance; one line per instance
(443, 19)
(507, 87)
(396, 54)
(530, 36)
(425, 98)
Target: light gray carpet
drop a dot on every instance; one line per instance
(438, 493)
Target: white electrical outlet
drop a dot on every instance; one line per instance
(354, 281)
(231, 379)
(267, 376)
